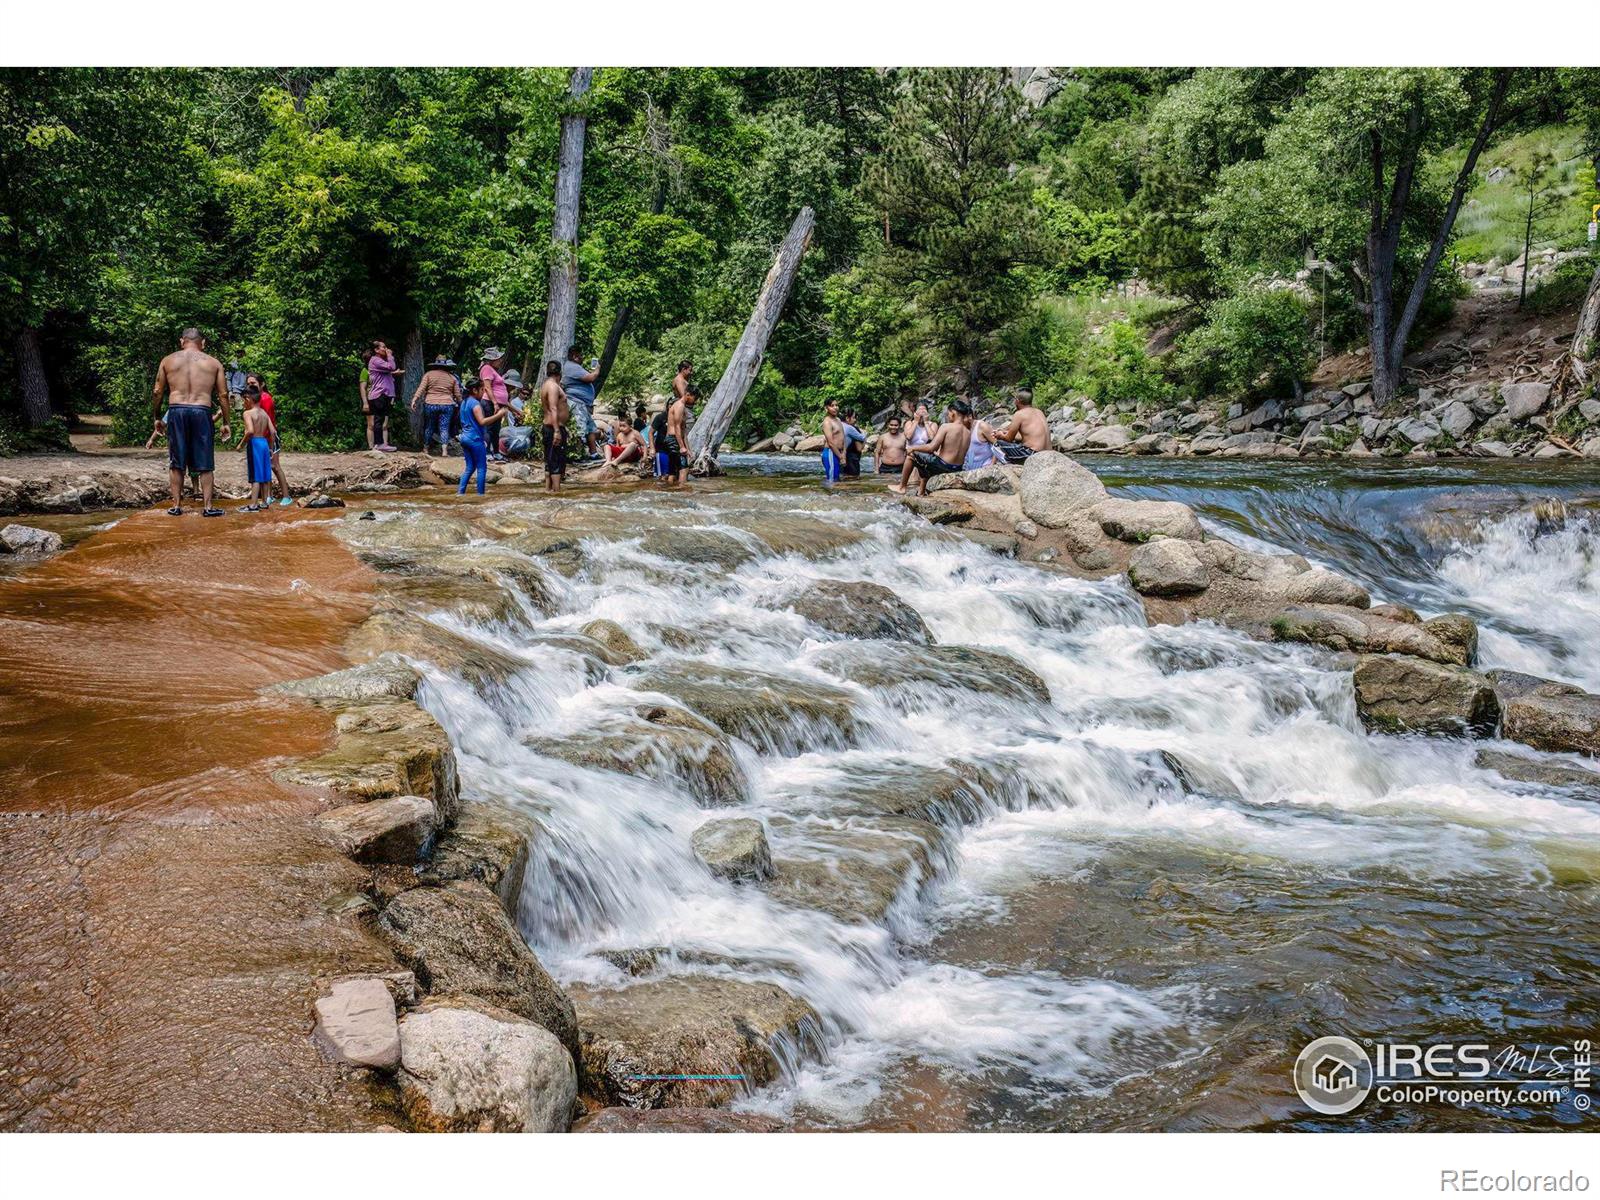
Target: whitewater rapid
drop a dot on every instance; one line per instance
(1296, 810)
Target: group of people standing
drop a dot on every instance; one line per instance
(962, 441)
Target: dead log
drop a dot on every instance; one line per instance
(1586, 340)
(562, 316)
(716, 419)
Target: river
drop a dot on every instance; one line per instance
(1080, 942)
(1071, 937)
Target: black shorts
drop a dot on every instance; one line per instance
(555, 451)
(890, 468)
(929, 465)
(1013, 452)
(378, 406)
(674, 452)
(190, 439)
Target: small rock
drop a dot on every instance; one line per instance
(1167, 567)
(381, 831)
(1419, 430)
(1319, 586)
(321, 500)
(470, 1067)
(356, 1024)
(25, 539)
(734, 849)
(1025, 529)
(1457, 419)
(1522, 768)
(620, 648)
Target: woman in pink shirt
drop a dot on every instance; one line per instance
(379, 399)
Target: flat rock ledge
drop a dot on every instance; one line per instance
(1411, 675)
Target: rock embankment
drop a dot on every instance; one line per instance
(1408, 674)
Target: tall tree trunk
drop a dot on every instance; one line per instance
(1390, 330)
(1586, 341)
(412, 365)
(562, 317)
(31, 378)
(717, 418)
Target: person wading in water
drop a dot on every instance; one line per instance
(189, 378)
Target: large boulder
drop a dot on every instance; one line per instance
(356, 1024)
(1362, 632)
(1319, 586)
(1397, 694)
(1167, 567)
(488, 844)
(1141, 520)
(1108, 438)
(384, 750)
(458, 939)
(381, 831)
(410, 530)
(688, 1026)
(734, 848)
(620, 1119)
(472, 1067)
(657, 741)
(861, 610)
(1056, 491)
(424, 641)
(1524, 400)
(25, 539)
(1548, 715)
(945, 668)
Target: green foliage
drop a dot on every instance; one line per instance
(1254, 342)
(1565, 288)
(1114, 366)
(871, 356)
(1491, 224)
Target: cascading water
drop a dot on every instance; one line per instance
(1124, 907)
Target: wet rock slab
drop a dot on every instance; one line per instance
(661, 742)
(861, 610)
(384, 750)
(770, 711)
(688, 1025)
(488, 844)
(381, 831)
(458, 939)
(676, 1120)
(966, 668)
(1411, 695)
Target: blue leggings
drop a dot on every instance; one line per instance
(477, 456)
(436, 424)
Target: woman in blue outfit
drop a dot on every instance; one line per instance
(477, 435)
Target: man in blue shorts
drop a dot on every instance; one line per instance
(188, 379)
(832, 443)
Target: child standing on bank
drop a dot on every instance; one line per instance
(259, 435)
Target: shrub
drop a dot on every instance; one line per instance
(1257, 340)
(1114, 366)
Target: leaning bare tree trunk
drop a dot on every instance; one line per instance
(411, 379)
(31, 378)
(562, 317)
(1586, 341)
(717, 419)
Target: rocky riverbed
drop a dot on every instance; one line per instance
(760, 808)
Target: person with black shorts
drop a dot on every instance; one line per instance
(187, 382)
(554, 415)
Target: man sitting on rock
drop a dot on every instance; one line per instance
(947, 452)
(1027, 432)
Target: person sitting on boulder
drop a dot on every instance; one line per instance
(947, 452)
(918, 434)
(981, 449)
(627, 446)
(1027, 432)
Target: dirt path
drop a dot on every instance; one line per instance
(167, 914)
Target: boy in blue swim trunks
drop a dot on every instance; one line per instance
(833, 447)
(259, 435)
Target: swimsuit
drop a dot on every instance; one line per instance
(929, 465)
(1013, 452)
(672, 452)
(190, 438)
(832, 468)
(259, 458)
(555, 452)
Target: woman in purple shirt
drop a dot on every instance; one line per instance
(379, 399)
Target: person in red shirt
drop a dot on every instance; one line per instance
(277, 456)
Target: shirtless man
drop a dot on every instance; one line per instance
(832, 443)
(890, 455)
(678, 437)
(553, 429)
(946, 454)
(1027, 432)
(188, 378)
(680, 381)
